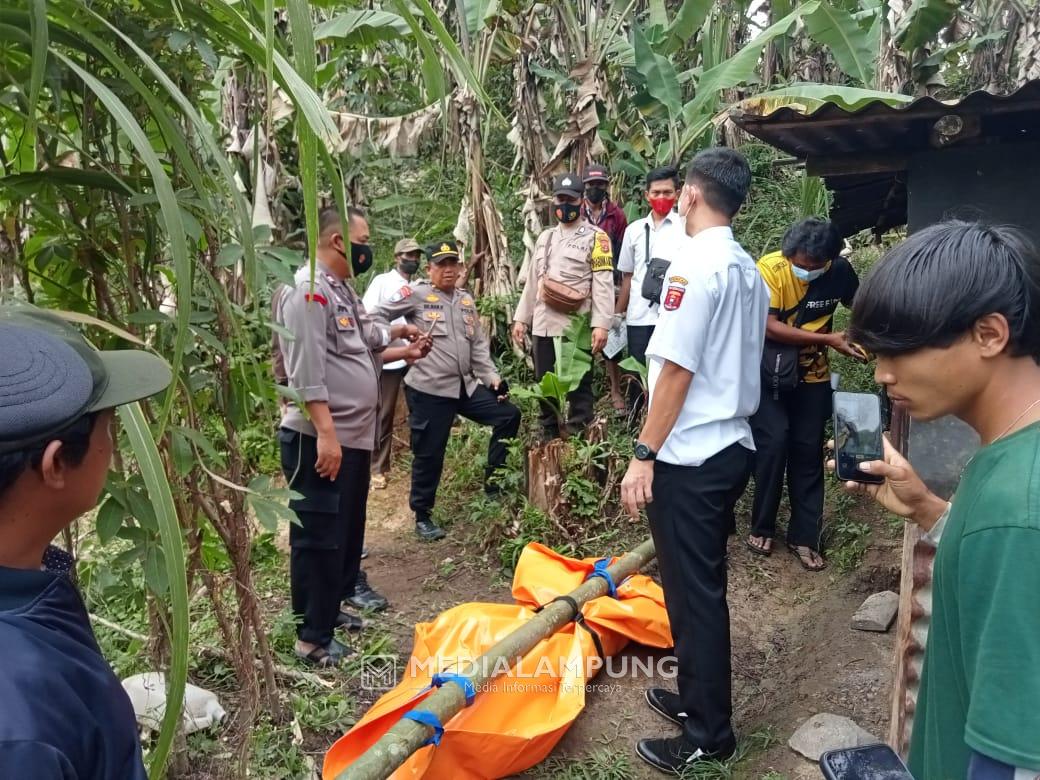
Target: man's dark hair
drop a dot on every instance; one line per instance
(814, 237)
(665, 173)
(328, 218)
(76, 441)
(931, 289)
(723, 177)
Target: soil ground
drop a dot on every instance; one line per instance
(794, 654)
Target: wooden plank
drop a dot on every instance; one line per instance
(849, 164)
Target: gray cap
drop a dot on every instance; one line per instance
(50, 376)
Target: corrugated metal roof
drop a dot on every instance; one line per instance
(862, 154)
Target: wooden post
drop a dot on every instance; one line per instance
(407, 736)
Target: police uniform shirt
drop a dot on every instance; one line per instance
(331, 356)
(838, 285)
(64, 713)
(379, 291)
(633, 260)
(713, 321)
(460, 354)
(581, 258)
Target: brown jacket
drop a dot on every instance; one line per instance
(580, 257)
(461, 354)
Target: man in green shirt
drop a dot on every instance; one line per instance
(953, 315)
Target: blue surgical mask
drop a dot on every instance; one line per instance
(808, 276)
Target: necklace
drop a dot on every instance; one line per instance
(1025, 411)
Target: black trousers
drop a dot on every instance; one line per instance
(326, 546)
(689, 520)
(579, 400)
(638, 339)
(789, 435)
(430, 418)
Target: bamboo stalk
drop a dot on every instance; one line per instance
(407, 736)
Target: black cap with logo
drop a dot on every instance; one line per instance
(442, 250)
(568, 184)
(596, 173)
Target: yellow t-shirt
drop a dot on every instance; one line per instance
(786, 290)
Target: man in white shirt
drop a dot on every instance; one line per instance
(643, 240)
(694, 455)
(407, 254)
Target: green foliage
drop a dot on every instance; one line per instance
(852, 42)
(597, 764)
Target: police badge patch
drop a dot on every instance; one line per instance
(673, 297)
(401, 294)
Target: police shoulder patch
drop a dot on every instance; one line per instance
(602, 257)
(673, 297)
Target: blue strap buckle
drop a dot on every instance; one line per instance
(599, 569)
(427, 719)
(463, 682)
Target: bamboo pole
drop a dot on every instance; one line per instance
(406, 736)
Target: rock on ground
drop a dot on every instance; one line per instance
(877, 612)
(825, 732)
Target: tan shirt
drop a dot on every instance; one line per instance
(580, 257)
(461, 354)
(332, 355)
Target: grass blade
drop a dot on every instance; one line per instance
(161, 497)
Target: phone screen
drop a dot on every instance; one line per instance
(874, 762)
(857, 434)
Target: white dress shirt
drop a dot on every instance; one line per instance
(632, 260)
(379, 291)
(712, 323)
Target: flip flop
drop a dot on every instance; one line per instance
(319, 657)
(758, 550)
(794, 551)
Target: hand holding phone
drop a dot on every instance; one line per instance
(857, 435)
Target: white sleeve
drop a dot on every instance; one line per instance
(374, 294)
(933, 536)
(686, 310)
(626, 261)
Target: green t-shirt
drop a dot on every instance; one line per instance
(980, 687)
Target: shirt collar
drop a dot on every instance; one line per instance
(672, 217)
(714, 233)
(20, 587)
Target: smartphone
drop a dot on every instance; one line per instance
(871, 762)
(857, 435)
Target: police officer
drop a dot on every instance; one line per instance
(448, 381)
(332, 362)
(575, 258)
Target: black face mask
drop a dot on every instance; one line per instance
(360, 258)
(566, 212)
(408, 267)
(595, 194)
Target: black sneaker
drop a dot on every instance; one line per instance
(364, 597)
(667, 704)
(349, 621)
(675, 755)
(428, 531)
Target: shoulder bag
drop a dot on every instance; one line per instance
(780, 362)
(558, 296)
(653, 281)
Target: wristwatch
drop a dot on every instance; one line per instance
(644, 453)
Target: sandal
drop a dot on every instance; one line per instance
(319, 657)
(764, 551)
(806, 559)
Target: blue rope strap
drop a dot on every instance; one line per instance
(427, 719)
(463, 682)
(599, 569)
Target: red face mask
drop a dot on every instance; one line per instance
(662, 206)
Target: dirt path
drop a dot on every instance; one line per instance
(793, 652)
